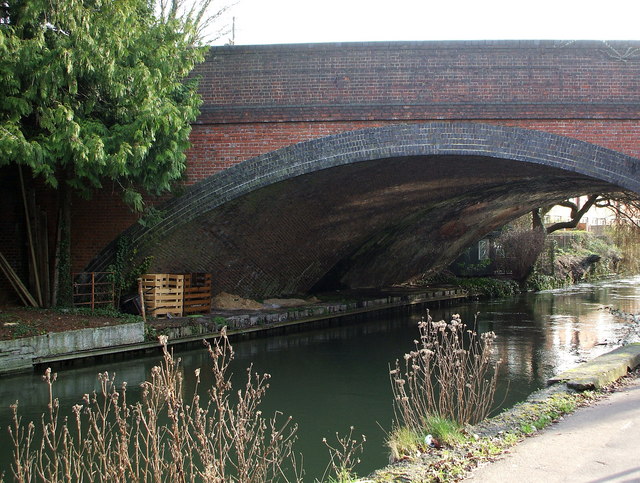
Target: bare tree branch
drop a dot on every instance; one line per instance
(576, 214)
(195, 17)
(625, 205)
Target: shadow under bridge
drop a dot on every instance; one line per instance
(368, 208)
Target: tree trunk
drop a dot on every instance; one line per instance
(537, 249)
(64, 289)
(537, 224)
(34, 266)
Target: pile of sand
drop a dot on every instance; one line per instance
(289, 302)
(227, 301)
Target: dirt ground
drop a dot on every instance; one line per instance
(17, 322)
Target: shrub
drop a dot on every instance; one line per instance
(343, 457)
(521, 247)
(449, 375)
(489, 287)
(539, 281)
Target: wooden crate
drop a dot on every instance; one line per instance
(163, 294)
(197, 293)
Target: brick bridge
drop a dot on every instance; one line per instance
(368, 164)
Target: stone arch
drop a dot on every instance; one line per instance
(514, 156)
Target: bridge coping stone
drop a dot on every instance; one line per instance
(427, 44)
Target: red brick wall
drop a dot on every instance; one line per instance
(260, 98)
(95, 223)
(220, 146)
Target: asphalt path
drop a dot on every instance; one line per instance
(598, 443)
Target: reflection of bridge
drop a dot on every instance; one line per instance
(366, 164)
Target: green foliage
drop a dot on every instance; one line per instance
(489, 287)
(151, 333)
(109, 312)
(20, 330)
(582, 256)
(540, 281)
(126, 269)
(95, 91)
(219, 322)
(584, 243)
(471, 269)
(152, 216)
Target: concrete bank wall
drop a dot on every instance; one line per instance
(601, 371)
(20, 354)
(207, 325)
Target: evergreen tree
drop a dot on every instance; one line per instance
(95, 91)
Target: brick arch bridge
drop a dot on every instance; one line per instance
(366, 164)
(370, 207)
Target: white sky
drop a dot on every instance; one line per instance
(295, 21)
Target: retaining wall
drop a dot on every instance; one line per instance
(21, 354)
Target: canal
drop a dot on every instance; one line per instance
(335, 374)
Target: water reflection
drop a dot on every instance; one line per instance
(336, 374)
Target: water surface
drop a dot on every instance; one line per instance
(335, 375)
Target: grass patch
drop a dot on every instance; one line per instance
(445, 430)
(404, 442)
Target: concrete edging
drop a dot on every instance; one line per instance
(21, 354)
(602, 370)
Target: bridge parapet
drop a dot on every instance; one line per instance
(421, 81)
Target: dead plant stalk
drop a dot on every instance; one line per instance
(163, 437)
(449, 373)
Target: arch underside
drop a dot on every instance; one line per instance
(364, 217)
(376, 223)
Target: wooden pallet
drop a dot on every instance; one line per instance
(163, 294)
(197, 293)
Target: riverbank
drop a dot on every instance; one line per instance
(602, 440)
(574, 389)
(29, 334)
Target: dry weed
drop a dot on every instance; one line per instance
(164, 436)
